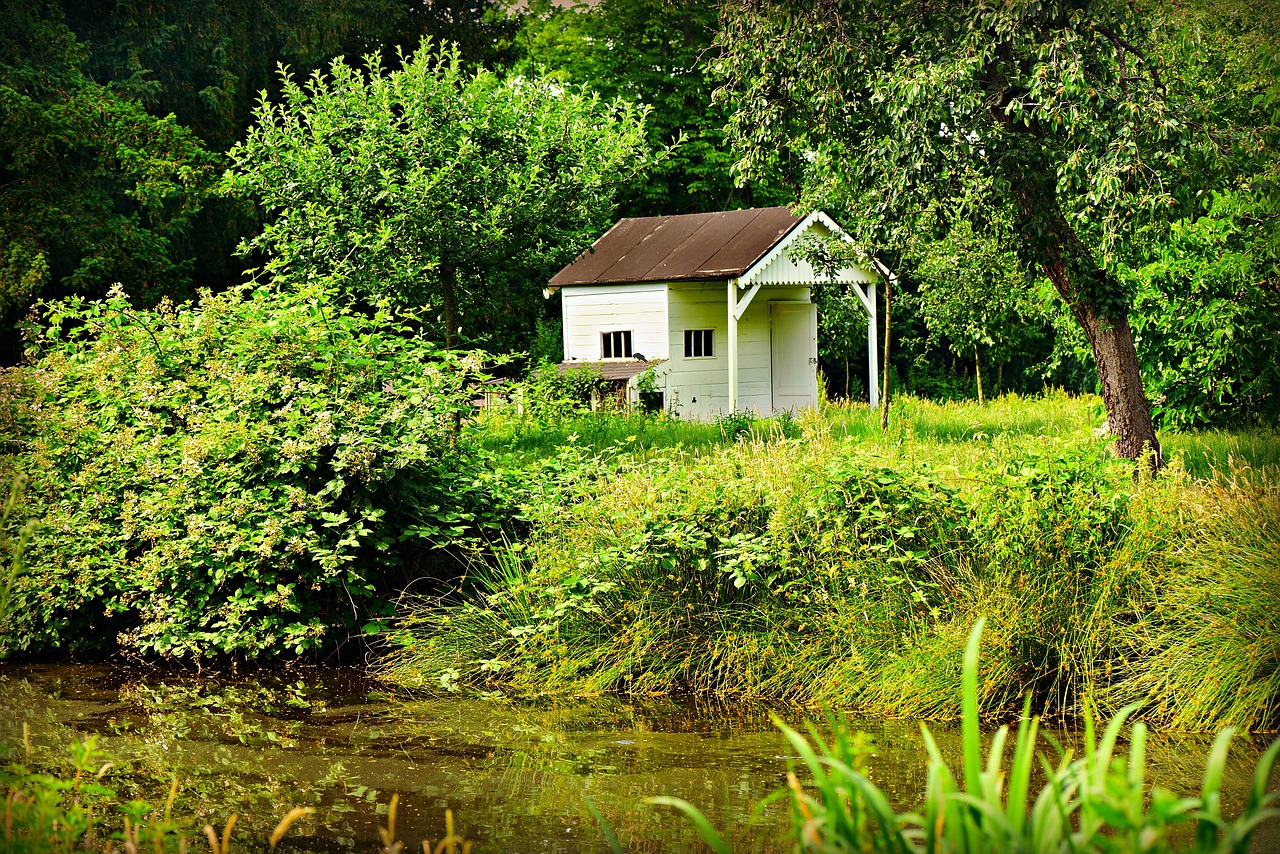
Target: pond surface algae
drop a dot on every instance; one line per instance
(516, 778)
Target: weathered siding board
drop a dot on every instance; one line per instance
(640, 308)
(698, 388)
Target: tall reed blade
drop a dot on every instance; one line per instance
(1210, 815)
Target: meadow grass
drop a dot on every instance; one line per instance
(821, 562)
(1209, 454)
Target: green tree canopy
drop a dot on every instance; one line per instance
(651, 52)
(1207, 292)
(430, 183)
(1050, 113)
(93, 189)
(972, 294)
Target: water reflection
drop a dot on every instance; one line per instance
(516, 777)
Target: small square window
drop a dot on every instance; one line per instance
(616, 345)
(698, 344)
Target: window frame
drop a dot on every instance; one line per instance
(624, 341)
(692, 342)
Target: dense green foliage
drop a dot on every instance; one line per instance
(1206, 310)
(434, 185)
(94, 189)
(652, 52)
(1207, 288)
(842, 570)
(1088, 129)
(121, 101)
(237, 475)
(1099, 802)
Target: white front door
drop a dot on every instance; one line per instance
(794, 336)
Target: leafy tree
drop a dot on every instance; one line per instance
(1207, 314)
(485, 31)
(1207, 296)
(93, 189)
(427, 183)
(972, 294)
(1049, 113)
(207, 62)
(651, 52)
(246, 475)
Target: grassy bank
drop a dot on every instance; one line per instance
(838, 567)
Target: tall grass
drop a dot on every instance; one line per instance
(1097, 802)
(844, 568)
(1210, 453)
(1204, 652)
(1054, 414)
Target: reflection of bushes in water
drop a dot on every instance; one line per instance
(81, 810)
(510, 749)
(246, 714)
(845, 573)
(206, 736)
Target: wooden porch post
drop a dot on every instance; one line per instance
(732, 303)
(873, 348)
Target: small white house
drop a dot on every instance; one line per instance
(713, 302)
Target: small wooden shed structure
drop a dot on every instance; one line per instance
(714, 303)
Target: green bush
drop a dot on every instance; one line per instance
(815, 569)
(550, 393)
(236, 476)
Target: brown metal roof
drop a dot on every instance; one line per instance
(689, 247)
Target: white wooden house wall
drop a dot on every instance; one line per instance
(591, 310)
(698, 388)
(756, 374)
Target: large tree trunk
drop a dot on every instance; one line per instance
(1093, 296)
(449, 296)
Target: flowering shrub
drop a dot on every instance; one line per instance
(234, 476)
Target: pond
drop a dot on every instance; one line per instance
(516, 778)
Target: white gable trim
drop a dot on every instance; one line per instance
(774, 268)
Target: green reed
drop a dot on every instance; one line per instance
(1095, 802)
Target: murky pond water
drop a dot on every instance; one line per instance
(516, 778)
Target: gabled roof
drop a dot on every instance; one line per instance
(688, 247)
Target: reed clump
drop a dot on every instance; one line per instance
(1204, 651)
(1096, 802)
